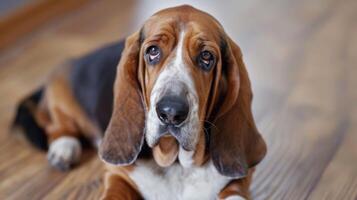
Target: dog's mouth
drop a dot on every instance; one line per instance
(174, 131)
(177, 133)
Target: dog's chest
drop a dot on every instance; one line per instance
(176, 182)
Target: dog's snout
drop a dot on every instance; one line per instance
(172, 110)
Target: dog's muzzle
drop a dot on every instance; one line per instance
(173, 113)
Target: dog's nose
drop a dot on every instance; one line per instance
(172, 110)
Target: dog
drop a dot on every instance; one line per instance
(175, 112)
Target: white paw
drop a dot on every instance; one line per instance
(235, 197)
(64, 152)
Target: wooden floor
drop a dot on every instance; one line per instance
(302, 60)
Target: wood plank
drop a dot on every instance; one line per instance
(339, 180)
(313, 122)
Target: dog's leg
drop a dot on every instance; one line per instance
(237, 189)
(64, 124)
(117, 187)
(64, 146)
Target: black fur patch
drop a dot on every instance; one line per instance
(25, 119)
(224, 50)
(92, 79)
(141, 36)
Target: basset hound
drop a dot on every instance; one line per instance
(175, 112)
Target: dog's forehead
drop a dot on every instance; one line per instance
(174, 20)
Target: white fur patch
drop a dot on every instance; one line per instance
(64, 152)
(186, 157)
(178, 59)
(177, 182)
(235, 197)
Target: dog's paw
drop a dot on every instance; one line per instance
(235, 197)
(64, 152)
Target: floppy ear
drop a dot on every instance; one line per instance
(236, 144)
(123, 137)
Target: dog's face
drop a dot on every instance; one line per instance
(178, 73)
(180, 54)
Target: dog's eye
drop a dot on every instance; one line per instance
(206, 60)
(153, 54)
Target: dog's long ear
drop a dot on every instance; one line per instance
(124, 135)
(235, 144)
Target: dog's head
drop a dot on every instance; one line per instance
(182, 85)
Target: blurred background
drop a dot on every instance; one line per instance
(301, 57)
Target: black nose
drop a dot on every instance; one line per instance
(172, 110)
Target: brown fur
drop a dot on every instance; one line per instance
(119, 186)
(125, 129)
(238, 187)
